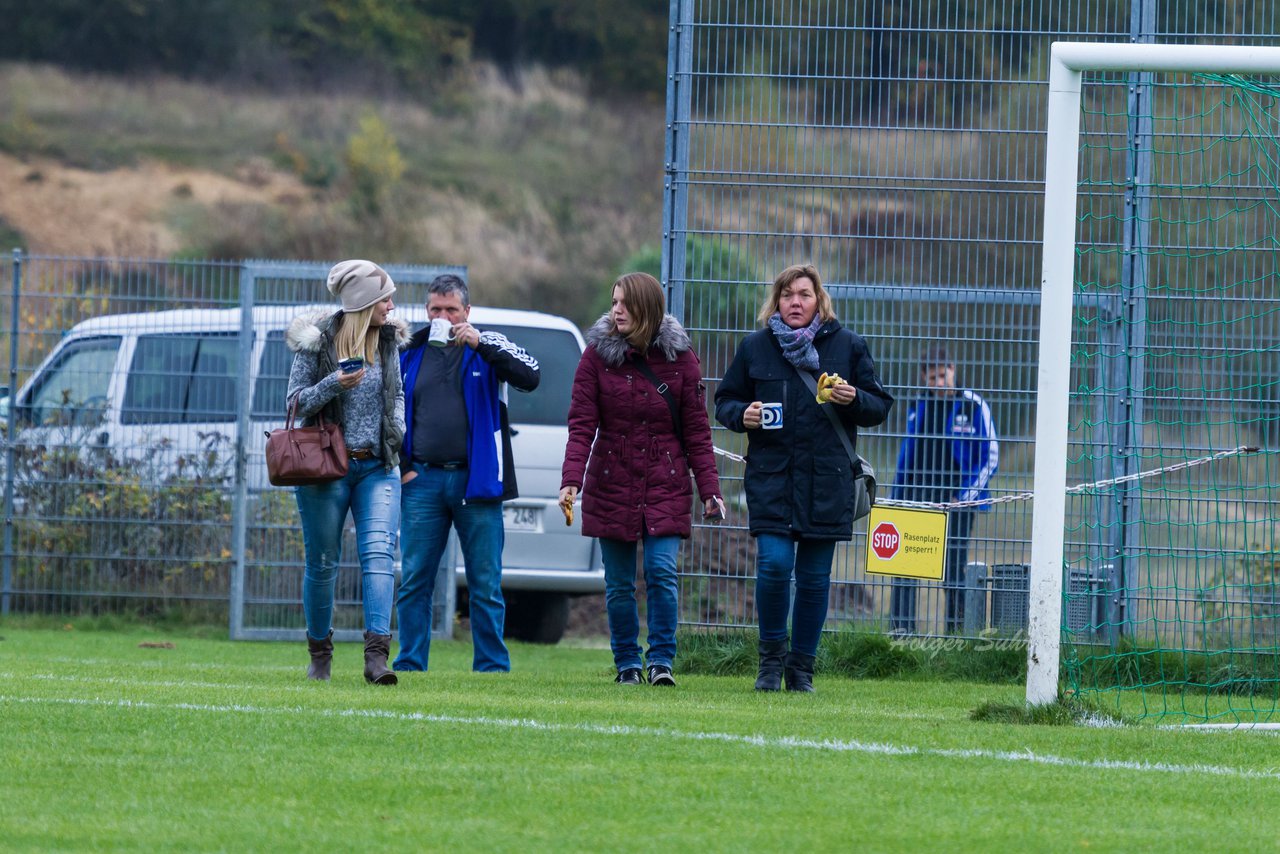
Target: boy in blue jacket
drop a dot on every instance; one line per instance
(949, 453)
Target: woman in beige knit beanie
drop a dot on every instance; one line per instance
(346, 368)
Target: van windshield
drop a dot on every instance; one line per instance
(74, 388)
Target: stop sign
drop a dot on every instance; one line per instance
(885, 540)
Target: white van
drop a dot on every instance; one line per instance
(163, 385)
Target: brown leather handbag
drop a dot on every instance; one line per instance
(302, 456)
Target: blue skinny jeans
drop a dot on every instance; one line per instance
(371, 494)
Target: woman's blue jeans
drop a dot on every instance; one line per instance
(779, 556)
(371, 494)
(660, 583)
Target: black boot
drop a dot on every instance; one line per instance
(771, 655)
(799, 672)
(376, 648)
(321, 657)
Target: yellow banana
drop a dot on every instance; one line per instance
(826, 384)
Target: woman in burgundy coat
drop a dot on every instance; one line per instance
(631, 460)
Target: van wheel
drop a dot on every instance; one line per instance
(537, 617)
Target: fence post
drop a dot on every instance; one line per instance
(240, 508)
(6, 587)
(675, 199)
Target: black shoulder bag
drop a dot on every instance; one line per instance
(864, 476)
(665, 391)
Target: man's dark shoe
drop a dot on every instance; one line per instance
(660, 674)
(629, 676)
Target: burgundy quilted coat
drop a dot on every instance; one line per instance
(623, 454)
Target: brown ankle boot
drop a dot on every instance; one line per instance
(321, 657)
(376, 649)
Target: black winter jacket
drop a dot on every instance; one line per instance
(799, 480)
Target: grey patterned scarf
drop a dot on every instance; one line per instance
(797, 344)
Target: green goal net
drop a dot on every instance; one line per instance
(1171, 587)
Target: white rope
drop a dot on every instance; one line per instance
(1096, 486)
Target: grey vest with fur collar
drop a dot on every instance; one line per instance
(313, 332)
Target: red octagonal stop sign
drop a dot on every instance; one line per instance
(885, 540)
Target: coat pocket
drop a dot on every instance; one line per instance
(832, 498)
(768, 482)
(771, 385)
(605, 469)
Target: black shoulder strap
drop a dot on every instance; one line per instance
(809, 381)
(665, 391)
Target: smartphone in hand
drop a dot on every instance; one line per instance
(350, 366)
(718, 513)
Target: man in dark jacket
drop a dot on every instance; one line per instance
(949, 453)
(456, 470)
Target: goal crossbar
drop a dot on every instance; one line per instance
(1068, 61)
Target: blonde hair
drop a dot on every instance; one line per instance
(788, 276)
(643, 297)
(355, 337)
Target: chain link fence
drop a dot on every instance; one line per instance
(134, 479)
(900, 149)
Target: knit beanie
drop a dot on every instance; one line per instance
(359, 284)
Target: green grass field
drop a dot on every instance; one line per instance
(211, 745)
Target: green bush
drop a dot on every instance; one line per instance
(718, 279)
(374, 163)
(95, 526)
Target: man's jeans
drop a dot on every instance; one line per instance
(778, 556)
(660, 599)
(430, 504)
(372, 495)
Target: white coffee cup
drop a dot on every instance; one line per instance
(771, 416)
(441, 333)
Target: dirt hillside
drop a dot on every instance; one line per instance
(67, 211)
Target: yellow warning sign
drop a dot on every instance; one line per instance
(907, 542)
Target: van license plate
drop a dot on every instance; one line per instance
(516, 518)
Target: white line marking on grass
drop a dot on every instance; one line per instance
(153, 683)
(826, 745)
(241, 686)
(1270, 726)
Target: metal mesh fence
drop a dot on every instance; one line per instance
(134, 472)
(899, 149)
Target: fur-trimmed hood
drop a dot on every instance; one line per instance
(614, 349)
(307, 330)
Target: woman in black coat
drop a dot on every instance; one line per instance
(799, 479)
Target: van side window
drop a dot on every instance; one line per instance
(74, 387)
(181, 379)
(273, 378)
(558, 355)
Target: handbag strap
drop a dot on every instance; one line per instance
(665, 391)
(835, 421)
(293, 411)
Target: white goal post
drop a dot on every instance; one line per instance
(1067, 62)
